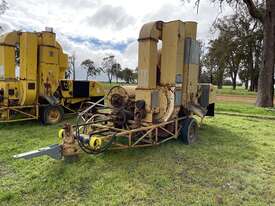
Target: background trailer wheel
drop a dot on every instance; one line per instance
(52, 114)
(189, 131)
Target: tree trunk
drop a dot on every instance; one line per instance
(219, 85)
(211, 76)
(220, 77)
(258, 66)
(234, 80)
(252, 85)
(234, 83)
(250, 67)
(73, 65)
(265, 82)
(109, 77)
(273, 81)
(246, 84)
(255, 82)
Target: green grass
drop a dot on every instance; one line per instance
(108, 86)
(227, 90)
(233, 163)
(244, 108)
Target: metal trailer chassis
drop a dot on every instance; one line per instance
(98, 134)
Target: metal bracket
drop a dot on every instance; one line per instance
(51, 99)
(53, 151)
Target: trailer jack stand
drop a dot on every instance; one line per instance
(68, 150)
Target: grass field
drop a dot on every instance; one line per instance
(233, 163)
(237, 107)
(227, 90)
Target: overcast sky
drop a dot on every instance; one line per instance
(96, 28)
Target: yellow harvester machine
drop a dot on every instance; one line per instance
(40, 90)
(160, 108)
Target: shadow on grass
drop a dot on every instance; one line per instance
(217, 146)
(30, 123)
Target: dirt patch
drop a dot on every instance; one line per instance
(236, 98)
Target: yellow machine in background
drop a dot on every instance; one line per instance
(40, 91)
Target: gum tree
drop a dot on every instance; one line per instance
(264, 12)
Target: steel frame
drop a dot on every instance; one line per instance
(20, 110)
(149, 137)
(148, 132)
(27, 115)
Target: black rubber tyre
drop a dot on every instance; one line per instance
(52, 114)
(189, 131)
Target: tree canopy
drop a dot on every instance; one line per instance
(264, 13)
(90, 68)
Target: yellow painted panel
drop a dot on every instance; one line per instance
(28, 92)
(48, 79)
(147, 64)
(63, 64)
(151, 30)
(190, 29)
(3, 86)
(48, 39)
(193, 82)
(28, 56)
(48, 55)
(191, 72)
(63, 59)
(7, 62)
(172, 52)
(10, 85)
(96, 89)
(145, 94)
(10, 38)
(66, 88)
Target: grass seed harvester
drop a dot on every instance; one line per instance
(40, 92)
(158, 109)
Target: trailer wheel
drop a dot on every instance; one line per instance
(52, 114)
(189, 131)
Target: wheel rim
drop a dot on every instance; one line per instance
(54, 115)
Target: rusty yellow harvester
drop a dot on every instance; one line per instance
(38, 89)
(160, 108)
